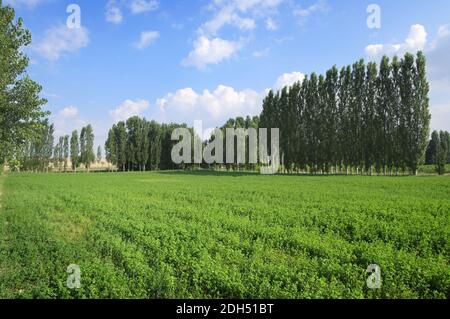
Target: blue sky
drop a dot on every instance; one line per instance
(212, 59)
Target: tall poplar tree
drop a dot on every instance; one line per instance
(74, 151)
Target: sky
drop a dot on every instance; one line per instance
(210, 60)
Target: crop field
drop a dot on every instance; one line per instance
(208, 235)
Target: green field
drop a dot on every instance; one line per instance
(207, 235)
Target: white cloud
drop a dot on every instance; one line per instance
(146, 38)
(288, 79)
(113, 13)
(68, 112)
(140, 6)
(213, 107)
(271, 25)
(241, 14)
(416, 40)
(66, 120)
(226, 16)
(208, 51)
(61, 40)
(304, 13)
(209, 48)
(128, 109)
(319, 6)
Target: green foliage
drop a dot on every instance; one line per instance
(87, 155)
(99, 154)
(75, 150)
(20, 105)
(140, 145)
(442, 150)
(37, 151)
(359, 120)
(212, 235)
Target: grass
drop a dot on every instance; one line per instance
(208, 235)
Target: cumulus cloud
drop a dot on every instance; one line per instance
(61, 40)
(146, 38)
(416, 40)
(140, 6)
(288, 79)
(113, 13)
(128, 109)
(213, 107)
(212, 51)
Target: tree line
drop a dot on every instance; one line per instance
(140, 145)
(39, 153)
(362, 118)
(438, 151)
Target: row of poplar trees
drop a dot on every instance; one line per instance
(140, 145)
(40, 151)
(362, 118)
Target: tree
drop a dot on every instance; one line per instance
(447, 140)
(154, 137)
(74, 151)
(111, 148)
(430, 157)
(58, 154)
(36, 153)
(441, 153)
(121, 144)
(419, 122)
(20, 105)
(370, 122)
(99, 154)
(48, 145)
(384, 123)
(83, 145)
(89, 156)
(66, 151)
